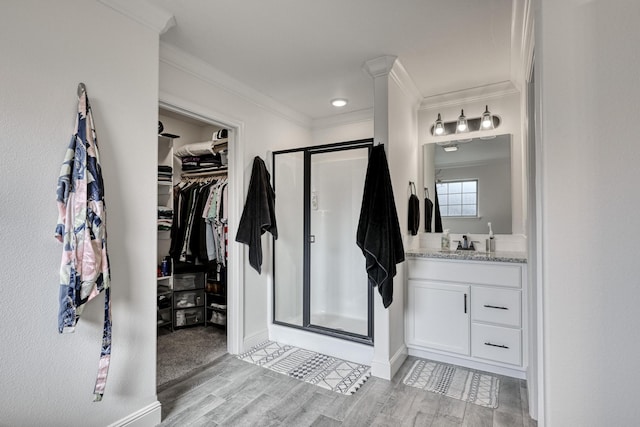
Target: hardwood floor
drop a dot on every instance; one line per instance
(231, 392)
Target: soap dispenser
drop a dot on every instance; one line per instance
(444, 241)
(491, 241)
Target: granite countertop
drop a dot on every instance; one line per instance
(517, 257)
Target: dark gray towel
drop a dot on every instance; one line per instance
(414, 214)
(378, 232)
(428, 212)
(259, 214)
(438, 218)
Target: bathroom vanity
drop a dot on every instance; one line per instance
(468, 308)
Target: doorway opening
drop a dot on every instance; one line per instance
(193, 248)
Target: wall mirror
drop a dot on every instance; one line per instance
(472, 180)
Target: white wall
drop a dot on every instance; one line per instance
(188, 130)
(48, 47)
(190, 82)
(352, 131)
(587, 73)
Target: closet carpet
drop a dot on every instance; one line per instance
(186, 351)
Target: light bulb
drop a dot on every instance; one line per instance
(438, 127)
(462, 123)
(487, 120)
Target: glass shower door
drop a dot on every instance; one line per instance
(289, 260)
(338, 287)
(319, 278)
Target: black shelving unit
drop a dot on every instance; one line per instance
(216, 305)
(188, 298)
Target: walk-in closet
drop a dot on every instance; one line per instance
(192, 254)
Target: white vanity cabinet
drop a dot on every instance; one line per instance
(440, 315)
(467, 312)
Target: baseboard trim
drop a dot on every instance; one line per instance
(254, 339)
(149, 416)
(386, 369)
(398, 359)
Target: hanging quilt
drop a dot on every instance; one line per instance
(84, 270)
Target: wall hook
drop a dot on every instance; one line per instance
(81, 88)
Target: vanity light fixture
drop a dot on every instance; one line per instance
(339, 102)
(486, 122)
(462, 126)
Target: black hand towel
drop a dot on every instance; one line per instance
(414, 214)
(438, 218)
(378, 232)
(428, 212)
(259, 213)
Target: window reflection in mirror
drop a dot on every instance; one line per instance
(473, 184)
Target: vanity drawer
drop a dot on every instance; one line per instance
(508, 275)
(496, 343)
(493, 305)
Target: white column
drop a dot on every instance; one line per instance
(379, 69)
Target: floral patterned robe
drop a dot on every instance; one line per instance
(84, 270)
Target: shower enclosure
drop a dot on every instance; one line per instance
(320, 282)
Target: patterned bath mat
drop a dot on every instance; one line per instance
(324, 371)
(454, 381)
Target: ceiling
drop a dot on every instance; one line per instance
(304, 53)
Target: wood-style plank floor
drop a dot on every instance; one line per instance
(231, 392)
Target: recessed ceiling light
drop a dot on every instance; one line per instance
(339, 102)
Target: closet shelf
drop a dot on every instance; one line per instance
(215, 172)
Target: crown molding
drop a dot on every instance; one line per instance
(380, 66)
(465, 96)
(344, 119)
(405, 82)
(144, 13)
(196, 67)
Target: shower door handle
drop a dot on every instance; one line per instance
(312, 239)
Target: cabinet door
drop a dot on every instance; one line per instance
(439, 316)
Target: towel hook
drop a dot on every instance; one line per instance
(412, 187)
(81, 89)
(426, 192)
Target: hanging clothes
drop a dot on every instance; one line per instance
(438, 218)
(258, 215)
(215, 218)
(413, 211)
(428, 211)
(378, 233)
(200, 215)
(82, 229)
